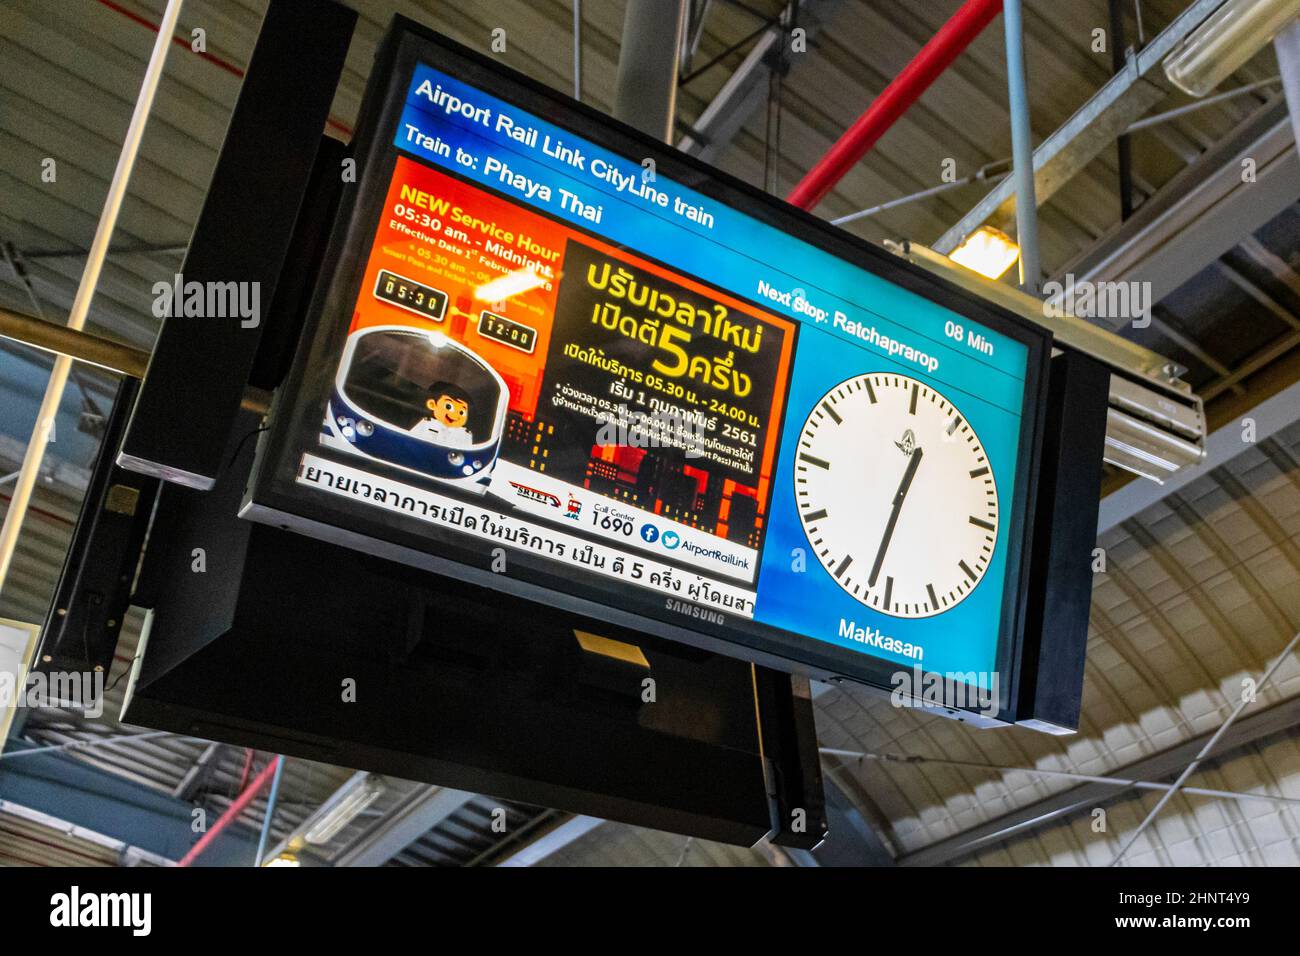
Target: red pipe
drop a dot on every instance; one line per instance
(895, 100)
(248, 766)
(233, 811)
(179, 41)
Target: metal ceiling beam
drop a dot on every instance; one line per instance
(1087, 796)
(127, 855)
(111, 356)
(1275, 351)
(1287, 47)
(738, 100)
(1266, 301)
(1081, 138)
(746, 89)
(1193, 347)
(552, 840)
(1205, 211)
(698, 17)
(1080, 334)
(417, 815)
(1269, 260)
(190, 782)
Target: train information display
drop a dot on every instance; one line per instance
(559, 359)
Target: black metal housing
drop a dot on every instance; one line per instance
(294, 424)
(94, 589)
(255, 634)
(1065, 532)
(200, 366)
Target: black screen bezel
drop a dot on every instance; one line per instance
(275, 498)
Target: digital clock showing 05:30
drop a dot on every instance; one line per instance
(410, 295)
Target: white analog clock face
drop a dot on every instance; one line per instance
(896, 495)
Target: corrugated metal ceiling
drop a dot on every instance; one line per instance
(1200, 588)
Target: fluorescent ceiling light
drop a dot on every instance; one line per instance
(346, 804)
(508, 286)
(988, 251)
(1228, 38)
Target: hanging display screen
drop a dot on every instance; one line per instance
(555, 358)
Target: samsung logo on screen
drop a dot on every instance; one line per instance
(694, 610)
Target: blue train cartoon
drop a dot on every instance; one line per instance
(420, 401)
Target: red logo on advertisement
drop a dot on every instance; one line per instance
(533, 494)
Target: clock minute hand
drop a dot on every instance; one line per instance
(903, 487)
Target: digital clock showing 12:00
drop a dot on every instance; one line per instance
(411, 295)
(507, 331)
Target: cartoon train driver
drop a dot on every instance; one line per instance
(418, 400)
(448, 407)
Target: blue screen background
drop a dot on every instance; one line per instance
(808, 601)
(735, 253)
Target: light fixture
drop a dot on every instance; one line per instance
(1228, 38)
(284, 859)
(344, 806)
(988, 251)
(508, 286)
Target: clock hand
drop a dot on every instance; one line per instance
(903, 487)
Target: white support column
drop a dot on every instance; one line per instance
(86, 290)
(646, 96)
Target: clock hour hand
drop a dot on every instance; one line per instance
(903, 487)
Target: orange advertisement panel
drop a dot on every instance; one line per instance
(622, 380)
